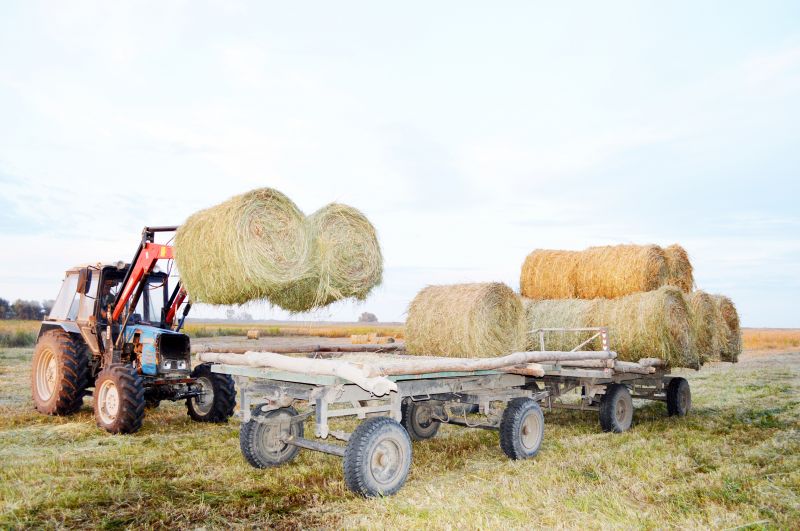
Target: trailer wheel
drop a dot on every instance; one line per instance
(60, 373)
(261, 442)
(521, 428)
(119, 399)
(679, 397)
(377, 457)
(418, 420)
(218, 397)
(616, 409)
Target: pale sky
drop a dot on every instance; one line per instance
(470, 133)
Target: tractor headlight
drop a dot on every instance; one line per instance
(167, 364)
(181, 365)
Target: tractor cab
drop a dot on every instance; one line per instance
(87, 296)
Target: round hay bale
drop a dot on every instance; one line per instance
(344, 260)
(653, 324)
(607, 272)
(557, 313)
(679, 267)
(465, 321)
(709, 331)
(347, 257)
(549, 274)
(253, 334)
(732, 347)
(252, 246)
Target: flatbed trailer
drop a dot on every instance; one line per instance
(377, 454)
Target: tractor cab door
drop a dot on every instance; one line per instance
(86, 308)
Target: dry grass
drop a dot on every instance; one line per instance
(770, 339)
(465, 320)
(734, 461)
(641, 325)
(259, 245)
(607, 272)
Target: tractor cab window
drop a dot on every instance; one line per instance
(66, 305)
(108, 293)
(153, 299)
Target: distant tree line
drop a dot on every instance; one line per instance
(20, 309)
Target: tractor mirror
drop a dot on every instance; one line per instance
(84, 280)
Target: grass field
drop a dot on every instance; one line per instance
(734, 461)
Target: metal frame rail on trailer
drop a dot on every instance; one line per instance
(377, 454)
(609, 386)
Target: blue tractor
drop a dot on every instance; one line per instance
(114, 333)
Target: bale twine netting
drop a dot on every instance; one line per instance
(260, 246)
(709, 330)
(465, 320)
(732, 346)
(607, 272)
(654, 324)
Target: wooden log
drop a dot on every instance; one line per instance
(628, 366)
(652, 362)
(529, 369)
(423, 366)
(351, 372)
(306, 349)
(602, 364)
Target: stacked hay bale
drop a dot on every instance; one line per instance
(465, 321)
(642, 293)
(647, 324)
(259, 245)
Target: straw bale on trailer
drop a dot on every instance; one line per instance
(607, 272)
(732, 347)
(709, 331)
(654, 324)
(679, 267)
(465, 320)
(252, 246)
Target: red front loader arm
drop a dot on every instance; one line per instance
(146, 261)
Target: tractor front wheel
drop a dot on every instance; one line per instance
(217, 396)
(119, 399)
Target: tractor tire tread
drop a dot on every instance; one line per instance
(74, 370)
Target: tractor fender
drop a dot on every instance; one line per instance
(67, 326)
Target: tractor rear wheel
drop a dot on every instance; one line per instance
(119, 399)
(60, 373)
(217, 398)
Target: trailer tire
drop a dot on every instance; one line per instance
(377, 457)
(679, 397)
(522, 428)
(261, 446)
(616, 409)
(119, 399)
(417, 420)
(218, 407)
(59, 373)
